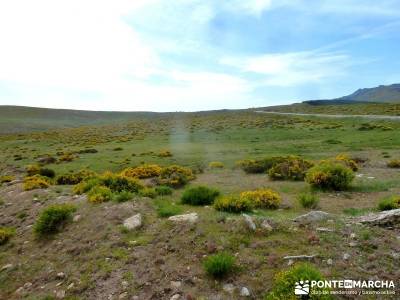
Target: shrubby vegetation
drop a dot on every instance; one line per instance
(291, 168)
(200, 195)
(6, 233)
(388, 203)
(216, 165)
(395, 163)
(52, 218)
(262, 198)
(6, 178)
(308, 200)
(163, 190)
(347, 161)
(36, 182)
(233, 204)
(175, 176)
(330, 176)
(143, 171)
(148, 192)
(284, 282)
(75, 177)
(167, 209)
(99, 194)
(219, 265)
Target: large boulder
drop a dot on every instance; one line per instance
(312, 217)
(189, 218)
(133, 222)
(386, 218)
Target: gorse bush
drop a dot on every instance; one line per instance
(233, 204)
(52, 218)
(291, 168)
(388, 203)
(167, 209)
(86, 185)
(219, 265)
(200, 195)
(285, 281)
(216, 165)
(395, 163)
(6, 178)
(347, 161)
(165, 153)
(148, 192)
(262, 198)
(122, 196)
(6, 233)
(36, 182)
(119, 183)
(308, 200)
(329, 175)
(32, 170)
(175, 176)
(163, 190)
(252, 166)
(100, 194)
(75, 177)
(47, 172)
(144, 171)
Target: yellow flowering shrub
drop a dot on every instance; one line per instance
(175, 176)
(233, 204)
(262, 198)
(216, 165)
(144, 171)
(347, 161)
(165, 153)
(36, 182)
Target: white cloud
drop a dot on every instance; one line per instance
(291, 69)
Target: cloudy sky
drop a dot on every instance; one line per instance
(186, 55)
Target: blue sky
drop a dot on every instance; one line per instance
(187, 55)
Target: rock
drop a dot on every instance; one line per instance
(27, 285)
(249, 222)
(266, 225)
(346, 256)
(324, 229)
(329, 262)
(312, 217)
(352, 244)
(60, 275)
(191, 218)
(229, 288)
(176, 284)
(175, 297)
(60, 294)
(133, 222)
(124, 284)
(123, 295)
(76, 218)
(5, 267)
(352, 235)
(20, 290)
(70, 286)
(244, 292)
(384, 218)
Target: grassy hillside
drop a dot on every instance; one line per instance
(382, 93)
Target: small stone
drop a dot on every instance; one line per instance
(76, 218)
(244, 292)
(312, 217)
(70, 286)
(346, 256)
(352, 244)
(249, 222)
(266, 226)
(329, 262)
(290, 262)
(229, 288)
(60, 275)
(124, 284)
(123, 295)
(20, 290)
(176, 284)
(5, 267)
(324, 229)
(133, 222)
(191, 218)
(27, 285)
(352, 235)
(175, 297)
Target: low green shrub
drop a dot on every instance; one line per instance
(100, 194)
(285, 283)
(308, 200)
(47, 172)
(6, 233)
(119, 183)
(86, 185)
(216, 165)
(219, 265)
(200, 195)
(253, 166)
(163, 190)
(388, 203)
(75, 177)
(52, 218)
(233, 204)
(123, 196)
(148, 192)
(167, 209)
(329, 175)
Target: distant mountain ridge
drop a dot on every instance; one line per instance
(379, 94)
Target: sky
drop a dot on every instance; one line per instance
(190, 55)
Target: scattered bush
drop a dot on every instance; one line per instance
(87, 151)
(200, 195)
(47, 172)
(52, 218)
(233, 204)
(175, 176)
(308, 200)
(252, 166)
(123, 196)
(67, 157)
(262, 198)
(219, 265)
(32, 170)
(144, 171)
(6, 233)
(86, 185)
(395, 163)
(388, 203)
(163, 190)
(167, 209)
(148, 192)
(75, 178)
(100, 194)
(330, 175)
(347, 161)
(6, 178)
(285, 281)
(36, 182)
(118, 149)
(119, 183)
(291, 168)
(165, 153)
(216, 165)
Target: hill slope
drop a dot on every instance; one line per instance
(382, 93)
